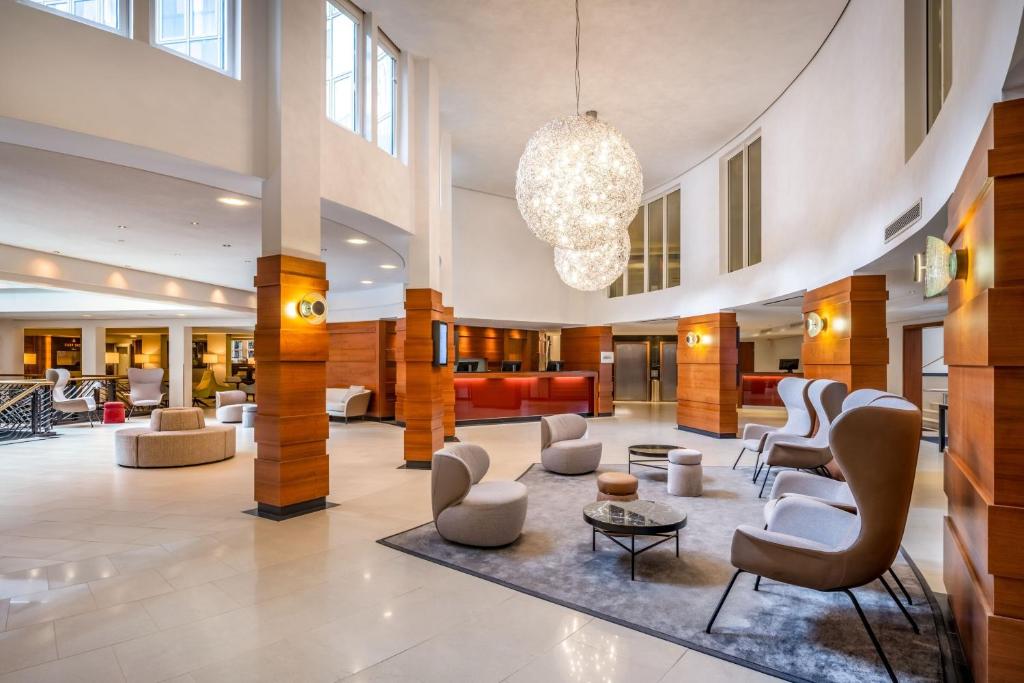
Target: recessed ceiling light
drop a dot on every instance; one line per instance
(225, 245)
(87, 315)
(356, 240)
(55, 251)
(366, 282)
(232, 201)
(248, 260)
(195, 222)
(122, 227)
(120, 240)
(323, 250)
(181, 315)
(388, 266)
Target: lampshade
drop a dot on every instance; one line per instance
(579, 183)
(142, 358)
(251, 360)
(111, 357)
(30, 359)
(210, 358)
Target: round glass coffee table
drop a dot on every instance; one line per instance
(644, 454)
(634, 518)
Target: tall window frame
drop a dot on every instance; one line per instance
(117, 10)
(224, 31)
(741, 205)
(386, 89)
(343, 8)
(928, 66)
(655, 257)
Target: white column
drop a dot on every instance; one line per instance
(291, 192)
(94, 345)
(12, 347)
(179, 365)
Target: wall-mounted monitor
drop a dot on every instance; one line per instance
(465, 366)
(511, 365)
(440, 335)
(789, 364)
(554, 366)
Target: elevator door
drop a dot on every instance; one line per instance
(631, 371)
(668, 371)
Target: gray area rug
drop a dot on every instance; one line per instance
(785, 631)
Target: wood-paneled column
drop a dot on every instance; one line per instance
(707, 383)
(983, 566)
(448, 378)
(400, 371)
(581, 350)
(423, 404)
(853, 348)
(291, 468)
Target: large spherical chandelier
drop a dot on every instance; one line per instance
(578, 187)
(593, 269)
(579, 182)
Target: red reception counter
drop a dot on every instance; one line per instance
(517, 395)
(761, 388)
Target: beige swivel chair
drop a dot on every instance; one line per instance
(82, 404)
(793, 392)
(350, 402)
(144, 388)
(827, 490)
(808, 453)
(814, 545)
(229, 405)
(471, 512)
(564, 446)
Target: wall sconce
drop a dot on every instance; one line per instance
(938, 266)
(313, 308)
(814, 324)
(692, 339)
(29, 359)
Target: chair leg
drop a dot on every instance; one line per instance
(721, 602)
(742, 450)
(757, 583)
(903, 588)
(758, 466)
(131, 409)
(913, 624)
(767, 475)
(871, 635)
(89, 415)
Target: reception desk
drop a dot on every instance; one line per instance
(761, 388)
(509, 396)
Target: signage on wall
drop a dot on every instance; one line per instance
(607, 357)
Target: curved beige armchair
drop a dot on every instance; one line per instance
(84, 404)
(175, 437)
(809, 453)
(144, 388)
(352, 401)
(564, 446)
(229, 405)
(793, 392)
(814, 545)
(471, 512)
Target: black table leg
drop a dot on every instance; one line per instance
(632, 557)
(677, 542)
(593, 539)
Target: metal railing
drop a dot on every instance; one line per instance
(26, 404)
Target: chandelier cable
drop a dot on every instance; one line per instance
(578, 80)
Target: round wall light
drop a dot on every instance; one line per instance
(313, 308)
(814, 324)
(692, 339)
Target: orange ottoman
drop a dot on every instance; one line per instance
(616, 486)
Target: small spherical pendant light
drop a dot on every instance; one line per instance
(592, 269)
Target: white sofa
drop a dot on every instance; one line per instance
(348, 402)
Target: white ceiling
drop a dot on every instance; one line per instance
(71, 205)
(679, 78)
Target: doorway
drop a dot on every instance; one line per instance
(925, 375)
(669, 371)
(631, 371)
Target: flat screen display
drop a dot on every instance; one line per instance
(440, 334)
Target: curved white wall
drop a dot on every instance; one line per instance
(834, 174)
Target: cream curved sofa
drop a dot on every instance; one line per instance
(175, 437)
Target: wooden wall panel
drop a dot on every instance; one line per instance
(984, 478)
(853, 348)
(581, 350)
(707, 375)
(291, 467)
(358, 354)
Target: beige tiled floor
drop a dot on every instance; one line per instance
(110, 574)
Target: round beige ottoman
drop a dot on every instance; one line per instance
(616, 486)
(685, 473)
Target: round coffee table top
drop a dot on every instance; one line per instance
(634, 517)
(652, 450)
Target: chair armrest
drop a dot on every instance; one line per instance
(813, 521)
(756, 431)
(799, 456)
(802, 483)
